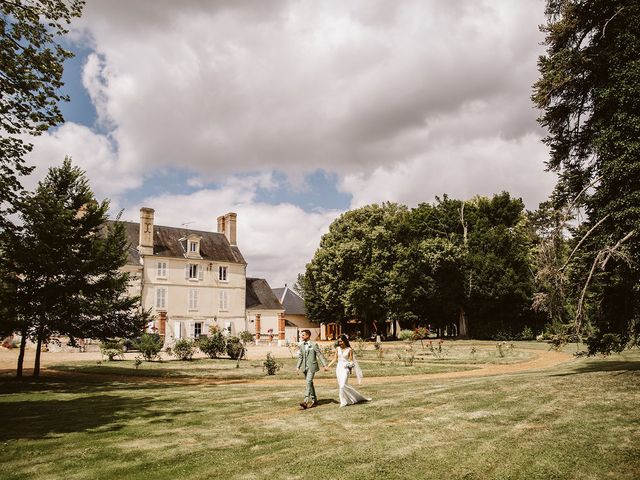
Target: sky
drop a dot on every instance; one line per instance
(292, 112)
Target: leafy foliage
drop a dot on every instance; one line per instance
(271, 365)
(149, 345)
(444, 265)
(184, 349)
(212, 345)
(65, 264)
(589, 90)
(234, 348)
(31, 69)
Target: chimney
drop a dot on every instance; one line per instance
(227, 225)
(145, 241)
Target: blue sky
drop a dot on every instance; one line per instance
(291, 112)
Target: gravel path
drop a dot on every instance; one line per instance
(542, 360)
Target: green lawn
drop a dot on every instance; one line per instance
(577, 421)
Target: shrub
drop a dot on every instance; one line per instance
(112, 349)
(271, 365)
(407, 336)
(407, 355)
(213, 345)
(246, 337)
(184, 349)
(149, 345)
(527, 334)
(438, 351)
(361, 345)
(234, 348)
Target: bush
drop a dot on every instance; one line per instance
(527, 334)
(149, 345)
(112, 349)
(407, 336)
(213, 345)
(246, 337)
(407, 355)
(184, 349)
(270, 365)
(234, 348)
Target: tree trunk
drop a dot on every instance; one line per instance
(36, 366)
(23, 346)
(463, 330)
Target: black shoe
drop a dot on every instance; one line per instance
(303, 405)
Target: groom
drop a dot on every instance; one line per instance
(308, 361)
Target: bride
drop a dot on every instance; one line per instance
(346, 363)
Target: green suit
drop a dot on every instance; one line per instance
(308, 356)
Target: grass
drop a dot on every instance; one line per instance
(576, 421)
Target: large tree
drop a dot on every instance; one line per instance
(31, 66)
(65, 266)
(589, 90)
(349, 275)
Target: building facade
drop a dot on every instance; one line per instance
(189, 279)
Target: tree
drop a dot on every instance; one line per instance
(589, 91)
(454, 264)
(348, 277)
(65, 265)
(31, 66)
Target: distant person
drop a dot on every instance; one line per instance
(346, 364)
(308, 356)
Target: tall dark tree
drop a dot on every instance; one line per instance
(589, 90)
(31, 66)
(65, 265)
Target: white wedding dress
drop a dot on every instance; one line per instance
(348, 394)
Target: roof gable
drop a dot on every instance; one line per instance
(260, 296)
(292, 302)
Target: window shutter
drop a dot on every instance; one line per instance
(195, 299)
(189, 332)
(200, 272)
(186, 271)
(176, 330)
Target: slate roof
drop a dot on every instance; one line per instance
(292, 302)
(166, 243)
(260, 296)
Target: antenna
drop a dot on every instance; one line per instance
(186, 226)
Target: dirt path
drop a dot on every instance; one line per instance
(542, 360)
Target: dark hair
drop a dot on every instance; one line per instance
(305, 330)
(345, 339)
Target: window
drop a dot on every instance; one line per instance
(193, 247)
(222, 274)
(193, 299)
(161, 298)
(197, 329)
(224, 300)
(193, 271)
(161, 270)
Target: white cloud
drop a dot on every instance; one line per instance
(221, 88)
(491, 165)
(92, 152)
(401, 100)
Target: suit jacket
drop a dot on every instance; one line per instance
(308, 357)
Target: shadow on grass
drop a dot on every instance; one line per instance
(38, 419)
(595, 366)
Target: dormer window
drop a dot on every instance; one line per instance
(191, 245)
